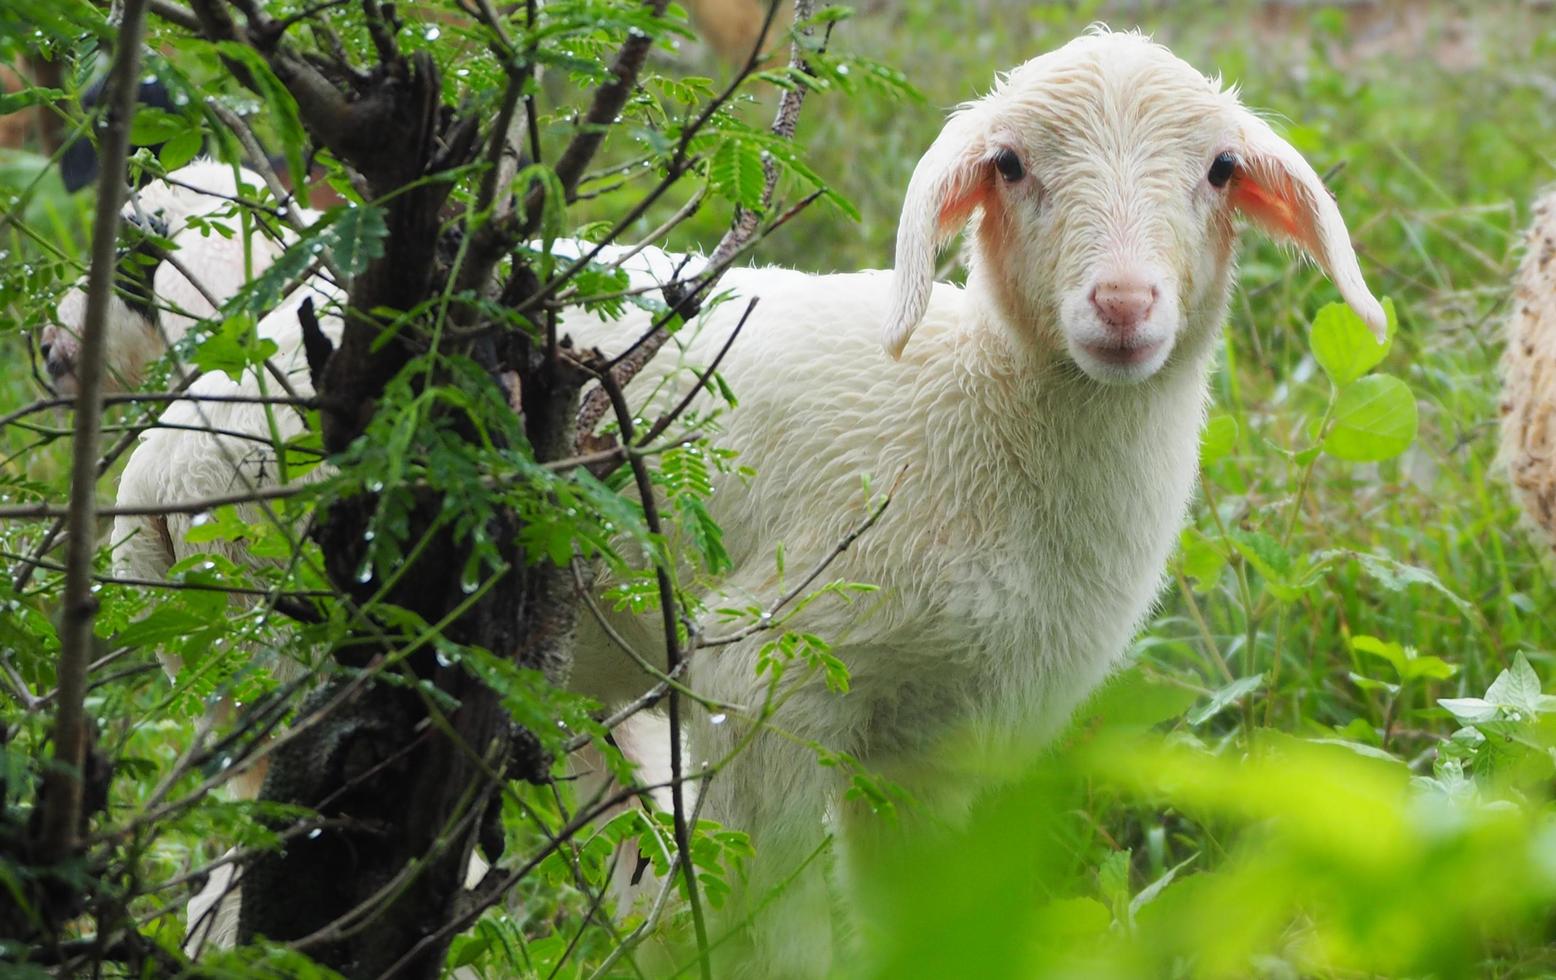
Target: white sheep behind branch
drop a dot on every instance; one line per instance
(140, 332)
(1045, 418)
(203, 449)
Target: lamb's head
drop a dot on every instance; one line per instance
(154, 304)
(131, 339)
(1104, 178)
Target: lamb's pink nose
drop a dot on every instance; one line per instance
(1123, 302)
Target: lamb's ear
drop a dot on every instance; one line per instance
(952, 178)
(1277, 189)
(136, 265)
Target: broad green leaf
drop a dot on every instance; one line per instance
(153, 125)
(180, 149)
(1283, 575)
(1072, 919)
(1113, 882)
(1395, 575)
(1386, 649)
(1470, 711)
(1374, 419)
(1200, 559)
(1218, 439)
(1371, 683)
(1429, 668)
(233, 348)
(1150, 892)
(1134, 700)
(1343, 345)
(1517, 687)
(1407, 663)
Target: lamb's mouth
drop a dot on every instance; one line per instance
(1124, 355)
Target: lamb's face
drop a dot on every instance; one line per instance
(1108, 209)
(1104, 178)
(131, 341)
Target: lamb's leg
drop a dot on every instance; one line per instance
(775, 790)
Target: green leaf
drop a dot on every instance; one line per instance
(736, 173)
(283, 116)
(1344, 346)
(1218, 439)
(1430, 668)
(1133, 700)
(155, 125)
(1518, 687)
(356, 238)
(1470, 711)
(233, 347)
(1395, 575)
(1226, 696)
(1151, 892)
(1200, 559)
(1407, 663)
(1387, 650)
(180, 149)
(1374, 419)
(27, 98)
(1113, 881)
(1283, 575)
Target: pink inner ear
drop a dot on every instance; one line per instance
(1269, 200)
(960, 198)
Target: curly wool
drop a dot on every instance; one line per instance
(1529, 375)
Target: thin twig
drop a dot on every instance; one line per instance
(666, 420)
(629, 362)
(668, 607)
(44, 404)
(768, 619)
(39, 511)
(62, 803)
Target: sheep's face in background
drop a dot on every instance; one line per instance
(131, 341)
(1104, 178)
(153, 303)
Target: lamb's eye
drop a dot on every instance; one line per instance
(1222, 169)
(1009, 165)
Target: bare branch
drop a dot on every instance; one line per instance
(43, 404)
(629, 362)
(769, 616)
(175, 14)
(609, 99)
(667, 419)
(668, 606)
(63, 780)
(39, 511)
(745, 224)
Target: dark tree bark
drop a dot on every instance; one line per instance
(406, 794)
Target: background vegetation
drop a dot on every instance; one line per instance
(1330, 755)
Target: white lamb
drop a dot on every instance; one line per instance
(1045, 419)
(141, 329)
(235, 455)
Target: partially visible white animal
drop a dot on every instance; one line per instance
(204, 449)
(141, 328)
(1044, 419)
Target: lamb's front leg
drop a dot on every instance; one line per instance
(774, 789)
